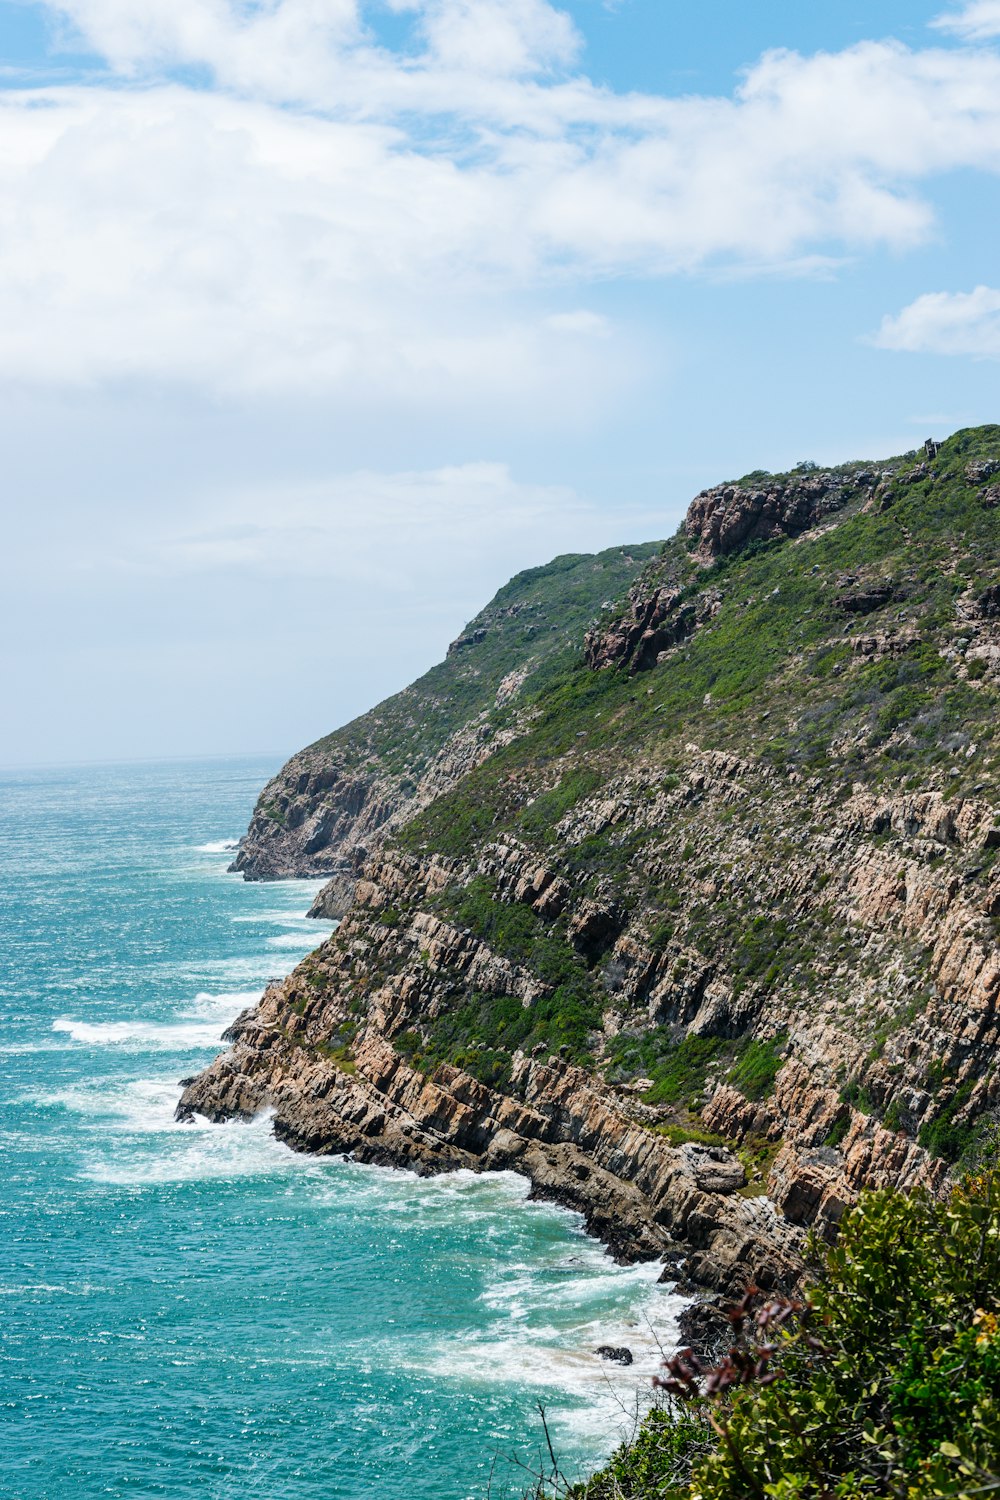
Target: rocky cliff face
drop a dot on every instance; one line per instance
(670, 599)
(709, 943)
(316, 818)
(319, 1052)
(762, 508)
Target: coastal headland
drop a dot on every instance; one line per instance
(675, 887)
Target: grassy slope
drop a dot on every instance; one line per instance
(531, 628)
(775, 677)
(775, 673)
(535, 622)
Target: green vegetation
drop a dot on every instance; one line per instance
(835, 661)
(757, 1156)
(481, 1031)
(857, 1094)
(790, 672)
(679, 1070)
(942, 1136)
(757, 1067)
(480, 1034)
(774, 672)
(682, 1135)
(451, 1040)
(533, 624)
(885, 1382)
(517, 933)
(541, 816)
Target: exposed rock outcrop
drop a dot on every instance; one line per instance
(314, 819)
(664, 608)
(724, 519)
(655, 623)
(554, 1123)
(581, 1140)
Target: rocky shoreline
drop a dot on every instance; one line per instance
(641, 1197)
(704, 940)
(319, 1050)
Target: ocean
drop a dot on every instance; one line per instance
(195, 1310)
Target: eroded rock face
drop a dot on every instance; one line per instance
(905, 990)
(656, 622)
(639, 1195)
(315, 819)
(724, 519)
(660, 615)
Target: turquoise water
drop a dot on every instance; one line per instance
(196, 1310)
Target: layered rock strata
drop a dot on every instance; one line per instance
(578, 1142)
(923, 984)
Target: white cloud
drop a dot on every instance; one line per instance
(257, 45)
(336, 217)
(511, 37)
(321, 50)
(194, 237)
(947, 323)
(976, 22)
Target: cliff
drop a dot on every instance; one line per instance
(334, 801)
(705, 940)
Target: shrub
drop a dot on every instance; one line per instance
(942, 1136)
(883, 1381)
(679, 1070)
(545, 812)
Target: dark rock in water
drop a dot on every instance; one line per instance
(706, 1329)
(673, 1267)
(615, 1356)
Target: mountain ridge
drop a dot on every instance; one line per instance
(725, 900)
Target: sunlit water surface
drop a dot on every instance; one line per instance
(196, 1310)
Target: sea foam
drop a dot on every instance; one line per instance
(224, 1007)
(142, 1036)
(297, 940)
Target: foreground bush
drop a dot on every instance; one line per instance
(884, 1380)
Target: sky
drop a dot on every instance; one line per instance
(321, 318)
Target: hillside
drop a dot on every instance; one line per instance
(334, 800)
(706, 941)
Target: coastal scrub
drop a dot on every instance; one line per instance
(883, 1380)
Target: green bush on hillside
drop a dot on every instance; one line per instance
(884, 1382)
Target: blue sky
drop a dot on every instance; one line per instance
(319, 318)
